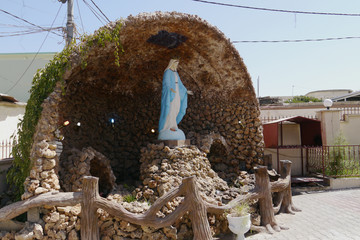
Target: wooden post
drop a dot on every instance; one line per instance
(287, 205)
(198, 211)
(89, 221)
(33, 215)
(265, 202)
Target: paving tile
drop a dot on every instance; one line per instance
(332, 215)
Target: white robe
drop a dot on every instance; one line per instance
(174, 109)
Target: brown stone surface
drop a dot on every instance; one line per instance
(176, 143)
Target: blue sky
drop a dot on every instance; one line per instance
(283, 68)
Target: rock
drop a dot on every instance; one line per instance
(184, 232)
(48, 153)
(29, 232)
(76, 210)
(33, 174)
(154, 236)
(54, 217)
(170, 232)
(127, 227)
(38, 231)
(43, 144)
(73, 235)
(60, 235)
(49, 164)
(40, 190)
(147, 229)
(137, 234)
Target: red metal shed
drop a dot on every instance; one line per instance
(310, 134)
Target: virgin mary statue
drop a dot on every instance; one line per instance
(173, 104)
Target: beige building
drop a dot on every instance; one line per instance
(11, 111)
(343, 118)
(325, 94)
(17, 71)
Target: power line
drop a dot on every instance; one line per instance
(24, 20)
(100, 11)
(297, 40)
(280, 10)
(27, 32)
(82, 25)
(32, 61)
(94, 12)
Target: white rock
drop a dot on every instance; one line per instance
(40, 190)
(54, 217)
(38, 231)
(43, 144)
(49, 153)
(49, 164)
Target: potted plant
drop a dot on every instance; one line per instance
(239, 220)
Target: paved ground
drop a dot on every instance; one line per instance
(325, 216)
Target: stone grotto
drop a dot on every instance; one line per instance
(113, 112)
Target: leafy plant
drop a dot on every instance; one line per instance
(43, 84)
(239, 210)
(303, 99)
(342, 161)
(129, 198)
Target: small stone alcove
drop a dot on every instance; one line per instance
(87, 162)
(115, 109)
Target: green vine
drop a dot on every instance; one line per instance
(43, 84)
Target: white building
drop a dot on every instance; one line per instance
(11, 111)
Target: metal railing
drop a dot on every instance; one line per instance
(349, 111)
(5, 149)
(334, 161)
(266, 119)
(343, 112)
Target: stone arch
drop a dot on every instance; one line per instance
(210, 66)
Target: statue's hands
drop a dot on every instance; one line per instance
(190, 92)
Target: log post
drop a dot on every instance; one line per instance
(287, 205)
(89, 221)
(265, 202)
(197, 211)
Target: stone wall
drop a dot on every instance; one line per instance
(235, 122)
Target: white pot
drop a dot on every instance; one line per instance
(239, 225)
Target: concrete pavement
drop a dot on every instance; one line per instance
(325, 216)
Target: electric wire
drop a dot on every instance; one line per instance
(82, 25)
(100, 11)
(297, 40)
(27, 32)
(97, 15)
(280, 10)
(24, 20)
(37, 53)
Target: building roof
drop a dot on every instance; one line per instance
(297, 119)
(354, 96)
(7, 98)
(310, 130)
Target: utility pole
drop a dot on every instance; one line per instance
(70, 21)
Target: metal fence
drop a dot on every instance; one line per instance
(266, 119)
(5, 149)
(349, 111)
(334, 161)
(343, 110)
